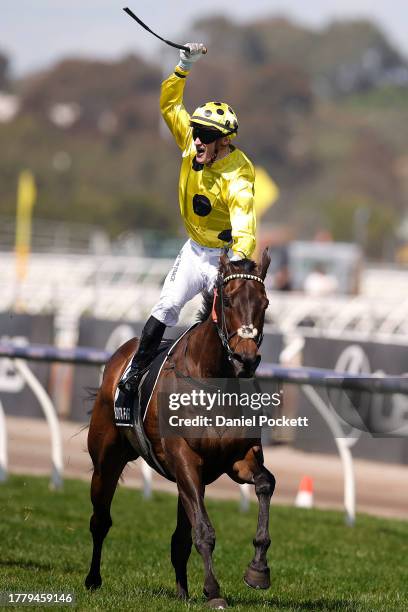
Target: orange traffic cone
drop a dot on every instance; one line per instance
(304, 497)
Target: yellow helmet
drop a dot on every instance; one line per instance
(217, 115)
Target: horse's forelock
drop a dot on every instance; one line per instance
(244, 266)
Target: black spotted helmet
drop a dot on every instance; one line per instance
(217, 115)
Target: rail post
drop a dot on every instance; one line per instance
(349, 487)
(147, 475)
(51, 418)
(245, 490)
(3, 445)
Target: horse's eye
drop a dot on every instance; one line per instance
(227, 301)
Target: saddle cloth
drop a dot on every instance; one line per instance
(131, 407)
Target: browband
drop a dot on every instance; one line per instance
(246, 276)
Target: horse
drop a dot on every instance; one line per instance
(216, 347)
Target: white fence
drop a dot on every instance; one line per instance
(123, 287)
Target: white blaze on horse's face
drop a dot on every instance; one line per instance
(247, 332)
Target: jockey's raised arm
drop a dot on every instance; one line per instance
(172, 107)
(171, 99)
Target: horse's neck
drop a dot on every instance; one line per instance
(205, 353)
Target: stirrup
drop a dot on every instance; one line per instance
(131, 381)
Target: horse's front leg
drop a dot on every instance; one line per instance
(187, 468)
(252, 470)
(180, 550)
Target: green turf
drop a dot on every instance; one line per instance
(317, 563)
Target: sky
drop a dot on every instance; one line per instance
(36, 33)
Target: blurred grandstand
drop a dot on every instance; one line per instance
(75, 271)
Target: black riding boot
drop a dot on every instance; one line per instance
(150, 339)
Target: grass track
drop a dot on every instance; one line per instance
(316, 562)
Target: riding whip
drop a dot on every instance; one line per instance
(168, 42)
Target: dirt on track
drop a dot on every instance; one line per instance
(381, 488)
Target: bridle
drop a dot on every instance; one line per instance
(222, 330)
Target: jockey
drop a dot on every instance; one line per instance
(216, 194)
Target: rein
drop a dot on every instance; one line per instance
(222, 330)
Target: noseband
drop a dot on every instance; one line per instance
(246, 331)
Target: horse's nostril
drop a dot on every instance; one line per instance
(255, 362)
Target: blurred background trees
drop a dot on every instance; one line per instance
(325, 112)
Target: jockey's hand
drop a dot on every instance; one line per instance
(188, 59)
(235, 257)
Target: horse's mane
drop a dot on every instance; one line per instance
(245, 266)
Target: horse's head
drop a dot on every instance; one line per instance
(239, 311)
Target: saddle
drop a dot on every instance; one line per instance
(130, 407)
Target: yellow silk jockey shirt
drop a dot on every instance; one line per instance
(217, 201)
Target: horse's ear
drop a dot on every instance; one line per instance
(224, 262)
(263, 265)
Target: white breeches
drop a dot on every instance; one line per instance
(195, 269)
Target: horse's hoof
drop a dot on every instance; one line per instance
(257, 579)
(182, 595)
(93, 582)
(217, 603)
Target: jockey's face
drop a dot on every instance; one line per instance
(207, 152)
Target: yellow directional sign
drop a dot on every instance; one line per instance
(26, 195)
(266, 191)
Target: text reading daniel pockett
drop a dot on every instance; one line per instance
(251, 405)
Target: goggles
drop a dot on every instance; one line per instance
(206, 136)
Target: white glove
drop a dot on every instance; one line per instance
(187, 59)
(234, 257)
